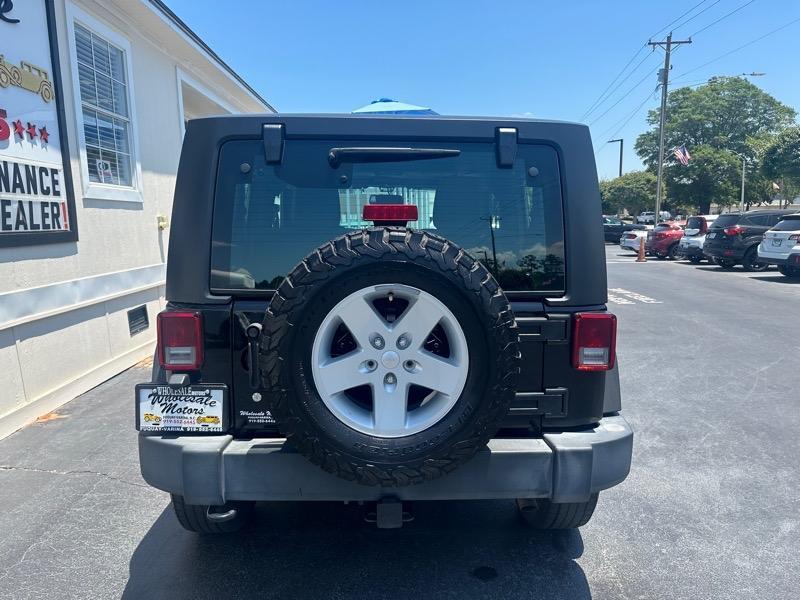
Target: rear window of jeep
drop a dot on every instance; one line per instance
(268, 217)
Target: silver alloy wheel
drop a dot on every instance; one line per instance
(390, 358)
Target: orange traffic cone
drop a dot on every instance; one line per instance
(641, 257)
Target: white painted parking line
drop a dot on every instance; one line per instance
(623, 294)
(619, 300)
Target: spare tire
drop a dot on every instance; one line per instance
(389, 356)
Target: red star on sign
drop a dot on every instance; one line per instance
(44, 135)
(31, 130)
(18, 128)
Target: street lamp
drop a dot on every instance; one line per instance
(621, 142)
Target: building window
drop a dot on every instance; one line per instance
(105, 105)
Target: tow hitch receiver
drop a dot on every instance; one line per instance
(389, 513)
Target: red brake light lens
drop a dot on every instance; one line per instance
(180, 340)
(735, 230)
(390, 213)
(594, 341)
(795, 237)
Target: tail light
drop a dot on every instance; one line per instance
(735, 230)
(390, 214)
(180, 340)
(630, 236)
(795, 237)
(594, 341)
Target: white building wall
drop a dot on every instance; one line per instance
(63, 307)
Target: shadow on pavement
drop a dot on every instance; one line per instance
(779, 279)
(323, 550)
(717, 269)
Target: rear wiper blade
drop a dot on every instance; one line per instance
(337, 156)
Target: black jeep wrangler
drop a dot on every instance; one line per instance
(384, 309)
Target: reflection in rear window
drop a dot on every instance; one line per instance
(268, 217)
(725, 221)
(695, 223)
(788, 224)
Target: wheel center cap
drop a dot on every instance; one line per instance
(390, 359)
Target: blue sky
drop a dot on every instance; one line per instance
(543, 59)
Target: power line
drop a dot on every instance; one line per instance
(608, 91)
(625, 95)
(663, 29)
(697, 15)
(722, 18)
(745, 45)
(620, 125)
(613, 81)
(618, 86)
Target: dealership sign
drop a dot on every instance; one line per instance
(36, 199)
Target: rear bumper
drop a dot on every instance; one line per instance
(627, 244)
(565, 467)
(774, 258)
(720, 251)
(690, 251)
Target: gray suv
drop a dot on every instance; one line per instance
(384, 309)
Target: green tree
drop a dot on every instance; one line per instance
(711, 175)
(781, 161)
(718, 122)
(724, 113)
(634, 191)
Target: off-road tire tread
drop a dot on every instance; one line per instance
(544, 514)
(192, 517)
(375, 244)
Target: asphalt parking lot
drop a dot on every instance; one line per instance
(710, 510)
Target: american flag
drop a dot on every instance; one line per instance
(682, 154)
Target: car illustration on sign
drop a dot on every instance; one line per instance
(208, 420)
(151, 418)
(26, 76)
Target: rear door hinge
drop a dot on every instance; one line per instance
(273, 134)
(506, 139)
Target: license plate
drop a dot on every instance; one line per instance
(190, 408)
(711, 236)
(776, 242)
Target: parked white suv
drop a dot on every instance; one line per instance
(691, 245)
(781, 246)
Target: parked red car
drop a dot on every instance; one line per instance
(663, 240)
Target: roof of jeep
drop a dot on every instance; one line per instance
(429, 127)
(361, 116)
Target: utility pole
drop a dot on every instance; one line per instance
(663, 78)
(621, 142)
